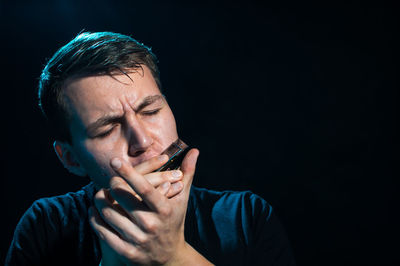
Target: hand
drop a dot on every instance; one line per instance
(147, 229)
(158, 180)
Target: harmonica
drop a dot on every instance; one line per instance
(176, 152)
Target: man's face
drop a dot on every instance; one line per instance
(117, 116)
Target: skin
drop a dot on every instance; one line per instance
(138, 215)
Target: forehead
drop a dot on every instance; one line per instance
(93, 96)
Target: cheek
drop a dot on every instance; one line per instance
(95, 158)
(171, 125)
(168, 131)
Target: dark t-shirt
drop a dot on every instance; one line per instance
(228, 228)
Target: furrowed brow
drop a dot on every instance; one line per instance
(102, 121)
(147, 101)
(110, 119)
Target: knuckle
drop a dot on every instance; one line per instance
(141, 240)
(118, 187)
(150, 226)
(101, 235)
(165, 210)
(154, 160)
(99, 195)
(133, 171)
(130, 254)
(176, 187)
(115, 180)
(106, 213)
(166, 175)
(146, 190)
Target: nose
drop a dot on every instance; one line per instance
(138, 137)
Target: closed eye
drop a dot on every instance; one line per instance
(151, 112)
(106, 133)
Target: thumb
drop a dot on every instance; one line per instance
(188, 167)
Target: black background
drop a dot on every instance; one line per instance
(295, 102)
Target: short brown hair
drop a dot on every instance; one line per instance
(88, 54)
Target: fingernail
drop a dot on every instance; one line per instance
(116, 163)
(177, 186)
(176, 174)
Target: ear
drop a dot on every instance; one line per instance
(68, 158)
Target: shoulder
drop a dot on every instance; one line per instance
(46, 211)
(237, 228)
(227, 212)
(228, 201)
(72, 203)
(49, 225)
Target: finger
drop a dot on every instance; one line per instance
(157, 178)
(106, 234)
(151, 164)
(117, 181)
(170, 190)
(120, 188)
(118, 219)
(164, 188)
(151, 197)
(136, 209)
(188, 168)
(174, 189)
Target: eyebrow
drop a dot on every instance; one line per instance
(147, 101)
(109, 119)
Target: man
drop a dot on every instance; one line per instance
(101, 94)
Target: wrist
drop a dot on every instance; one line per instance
(187, 255)
(179, 254)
